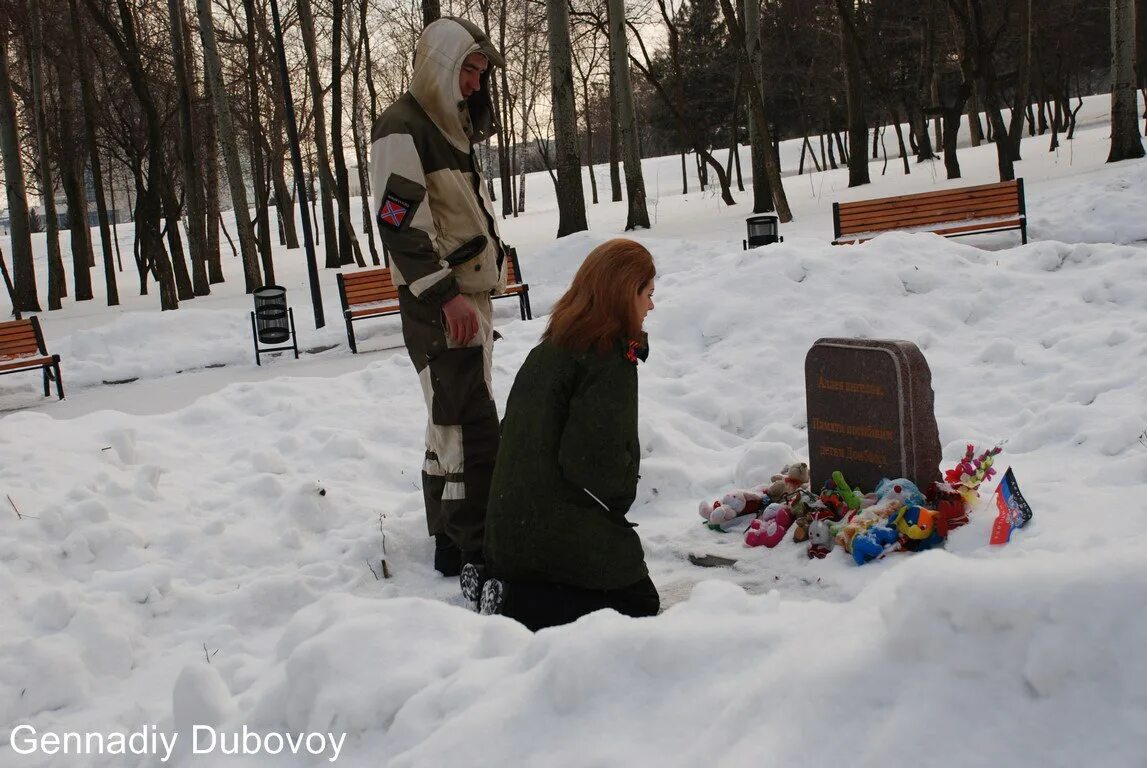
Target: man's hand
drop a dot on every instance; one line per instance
(461, 320)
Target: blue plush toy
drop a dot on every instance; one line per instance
(873, 543)
(901, 489)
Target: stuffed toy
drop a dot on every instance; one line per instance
(820, 539)
(743, 501)
(917, 529)
(847, 494)
(770, 528)
(859, 522)
(791, 479)
(950, 505)
(878, 507)
(874, 543)
(901, 489)
(806, 508)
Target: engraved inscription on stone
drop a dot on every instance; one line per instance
(870, 412)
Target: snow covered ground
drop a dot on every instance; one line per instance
(201, 545)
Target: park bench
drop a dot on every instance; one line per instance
(515, 286)
(22, 349)
(366, 293)
(950, 212)
(372, 293)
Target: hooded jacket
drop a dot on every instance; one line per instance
(432, 207)
(567, 472)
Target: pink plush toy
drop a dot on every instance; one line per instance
(770, 528)
(745, 501)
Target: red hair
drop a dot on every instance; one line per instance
(600, 307)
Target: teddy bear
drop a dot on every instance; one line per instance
(770, 527)
(788, 481)
(820, 539)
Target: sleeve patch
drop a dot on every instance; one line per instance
(394, 211)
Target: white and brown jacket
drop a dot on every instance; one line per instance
(431, 201)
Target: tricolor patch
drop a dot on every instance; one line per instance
(394, 211)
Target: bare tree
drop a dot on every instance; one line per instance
(637, 214)
(252, 277)
(192, 181)
(326, 183)
(90, 111)
(1125, 141)
(24, 296)
(857, 124)
(772, 163)
(126, 42)
(348, 243)
(571, 201)
(71, 164)
(57, 284)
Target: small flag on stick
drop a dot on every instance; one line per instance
(1014, 511)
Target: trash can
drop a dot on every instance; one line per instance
(272, 321)
(762, 231)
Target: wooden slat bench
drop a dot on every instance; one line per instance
(366, 293)
(950, 212)
(372, 293)
(515, 286)
(22, 349)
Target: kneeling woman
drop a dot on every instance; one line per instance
(558, 545)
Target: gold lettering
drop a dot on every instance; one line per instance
(854, 387)
(854, 430)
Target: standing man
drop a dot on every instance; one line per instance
(437, 221)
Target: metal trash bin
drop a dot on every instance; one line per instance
(762, 231)
(272, 321)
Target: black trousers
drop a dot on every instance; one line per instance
(541, 604)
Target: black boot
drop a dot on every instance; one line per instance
(447, 556)
(493, 597)
(473, 576)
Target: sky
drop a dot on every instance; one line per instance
(200, 544)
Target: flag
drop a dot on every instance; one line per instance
(1014, 511)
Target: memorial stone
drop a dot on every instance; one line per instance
(870, 413)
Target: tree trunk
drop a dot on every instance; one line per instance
(284, 201)
(1125, 141)
(348, 242)
(57, 284)
(430, 11)
(502, 99)
(360, 146)
(192, 180)
(1023, 79)
(772, 167)
(255, 148)
(614, 137)
(90, 114)
(637, 214)
(71, 165)
(251, 275)
(857, 125)
(326, 183)
(211, 184)
(26, 298)
(758, 134)
(589, 141)
(173, 212)
(571, 201)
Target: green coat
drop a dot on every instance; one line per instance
(570, 427)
